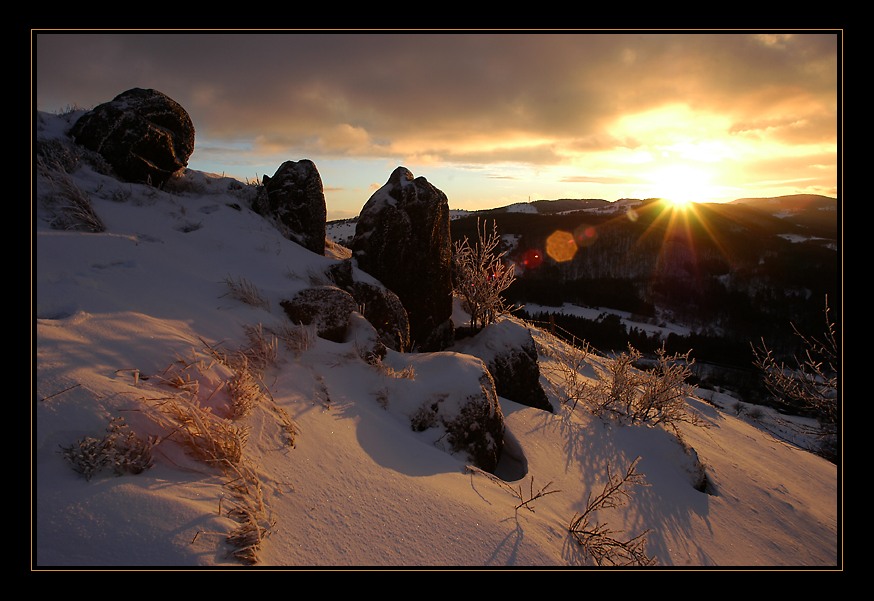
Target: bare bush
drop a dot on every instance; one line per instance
(654, 396)
(120, 450)
(597, 540)
(565, 373)
(810, 384)
(481, 276)
(525, 500)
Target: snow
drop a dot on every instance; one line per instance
(795, 239)
(663, 329)
(116, 313)
(521, 207)
(341, 231)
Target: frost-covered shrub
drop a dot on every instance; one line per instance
(121, 450)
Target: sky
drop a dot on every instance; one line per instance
(489, 117)
(127, 322)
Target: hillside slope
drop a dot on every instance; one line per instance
(132, 320)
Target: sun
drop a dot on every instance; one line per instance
(678, 203)
(681, 185)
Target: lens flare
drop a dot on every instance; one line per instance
(561, 246)
(585, 235)
(531, 259)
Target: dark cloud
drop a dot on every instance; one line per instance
(475, 98)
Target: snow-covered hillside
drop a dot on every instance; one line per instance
(133, 318)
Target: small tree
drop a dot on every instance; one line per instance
(482, 276)
(810, 385)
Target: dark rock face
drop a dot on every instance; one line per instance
(380, 306)
(517, 377)
(295, 197)
(402, 239)
(328, 308)
(143, 134)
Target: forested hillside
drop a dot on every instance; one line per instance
(734, 273)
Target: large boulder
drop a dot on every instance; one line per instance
(327, 308)
(379, 305)
(509, 352)
(460, 415)
(144, 135)
(295, 198)
(402, 239)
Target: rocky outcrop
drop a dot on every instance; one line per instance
(402, 239)
(144, 135)
(510, 354)
(328, 308)
(379, 305)
(460, 415)
(295, 199)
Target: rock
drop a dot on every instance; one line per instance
(379, 305)
(402, 239)
(327, 307)
(145, 136)
(295, 199)
(382, 308)
(510, 354)
(460, 415)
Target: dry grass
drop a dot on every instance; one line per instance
(70, 207)
(297, 338)
(262, 349)
(249, 511)
(204, 435)
(218, 441)
(245, 291)
(245, 393)
(407, 373)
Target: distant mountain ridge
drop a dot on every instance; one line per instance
(792, 201)
(779, 206)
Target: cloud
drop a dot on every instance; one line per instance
(588, 179)
(464, 98)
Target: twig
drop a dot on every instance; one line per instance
(60, 392)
